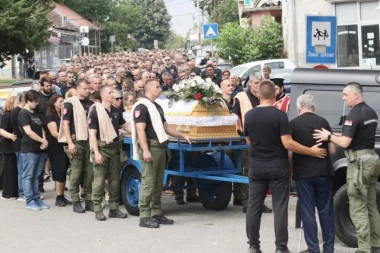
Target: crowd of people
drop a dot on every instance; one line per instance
(73, 118)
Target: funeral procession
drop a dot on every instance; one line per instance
(207, 126)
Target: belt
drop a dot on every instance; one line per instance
(103, 144)
(353, 155)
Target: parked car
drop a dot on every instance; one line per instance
(243, 71)
(326, 86)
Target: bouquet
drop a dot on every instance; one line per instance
(205, 91)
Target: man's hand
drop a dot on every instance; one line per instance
(13, 137)
(72, 149)
(318, 152)
(98, 158)
(321, 135)
(147, 156)
(187, 138)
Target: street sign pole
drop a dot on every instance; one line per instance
(210, 32)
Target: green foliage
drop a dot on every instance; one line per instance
(228, 11)
(94, 10)
(251, 44)
(175, 41)
(207, 6)
(24, 26)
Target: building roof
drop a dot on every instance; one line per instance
(263, 5)
(74, 20)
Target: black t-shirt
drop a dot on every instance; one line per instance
(54, 146)
(7, 126)
(141, 115)
(360, 125)
(305, 166)
(264, 126)
(68, 113)
(236, 106)
(115, 116)
(172, 70)
(16, 129)
(42, 106)
(26, 118)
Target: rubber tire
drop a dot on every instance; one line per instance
(130, 202)
(344, 228)
(216, 197)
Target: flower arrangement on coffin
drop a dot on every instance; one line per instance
(208, 94)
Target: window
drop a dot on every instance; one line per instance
(368, 11)
(370, 43)
(347, 47)
(275, 65)
(346, 13)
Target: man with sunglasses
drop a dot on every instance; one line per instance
(169, 67)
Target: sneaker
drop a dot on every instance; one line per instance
(22, 199)
(67, 202)
(100, 216)
(254, 250)
(161, 219)
(117, 214)
(11, 198)
(42, 204)
(33, 206)
(59, 201)
(148, 222)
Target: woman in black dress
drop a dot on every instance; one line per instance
(58, 159)
(10, 182)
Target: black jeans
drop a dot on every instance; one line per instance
(317, 192)
(278, 181)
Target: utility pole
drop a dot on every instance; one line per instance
(199, 24)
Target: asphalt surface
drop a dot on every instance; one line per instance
(196, 229)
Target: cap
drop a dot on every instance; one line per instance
(278, 81)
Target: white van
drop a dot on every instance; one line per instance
(283, 66)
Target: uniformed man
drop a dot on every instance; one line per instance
(150, 130)
(243, 102)
(106, 147)
(358, 140)
(75, 109)
(282, 100)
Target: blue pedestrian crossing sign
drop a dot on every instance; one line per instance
(210, 31)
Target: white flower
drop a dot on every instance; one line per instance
(176, 88)
(193, 84)
(198, 79)
(182, 85)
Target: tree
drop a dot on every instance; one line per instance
(207, 6)
(94, 10)
(251, 44)
(228, 11)
(24, 27)
(155, 24)
(175, 41)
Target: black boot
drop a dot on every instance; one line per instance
(148, 222)
(67, 202)
(117, 214)
(266, 209)
(59, 201)
(77, 207)
(254, 250)
(89, 207)
(161, 219)
(100, 216)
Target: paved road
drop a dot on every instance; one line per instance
(196, 230)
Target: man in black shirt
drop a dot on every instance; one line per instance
(78, 149)
(210, 73)
(105, 151)
(70, 82)
(313, 177)
(268, 133)
(358, 140)
(169, 67)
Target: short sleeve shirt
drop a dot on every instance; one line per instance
(141, 115)
(6, 125)
(68, 113)
(27, 118)
(360, 125)
(54, 146)
(115, 116)
(16, 129)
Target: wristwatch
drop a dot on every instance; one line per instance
(329, 137)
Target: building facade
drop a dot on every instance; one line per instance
(357, 41)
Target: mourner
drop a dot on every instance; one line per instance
(73, 131)
(150, 144)
(104, 122)
(358, 140)
(313, 177)
(268, 133)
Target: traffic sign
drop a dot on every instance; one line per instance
(321, 39)
(210, 31)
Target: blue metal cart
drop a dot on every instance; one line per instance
(204, 160)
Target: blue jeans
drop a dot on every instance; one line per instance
(32, 164)
(20, 172)
(317, 192)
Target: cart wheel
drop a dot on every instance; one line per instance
(217, 196)
(130, 190)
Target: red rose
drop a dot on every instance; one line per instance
(198, 96)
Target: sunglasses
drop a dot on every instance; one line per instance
(167, 59)
(118, 99)
(133, 67)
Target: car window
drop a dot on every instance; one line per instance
(275, 65)
(256, 68)
(329, 104)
